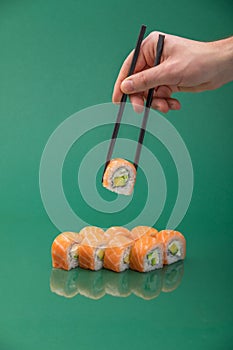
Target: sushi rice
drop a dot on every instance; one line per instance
(142, 249)
(120, 176)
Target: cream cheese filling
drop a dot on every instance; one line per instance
(120, 177)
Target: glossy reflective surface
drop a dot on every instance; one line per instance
(58, 57)
(96, 284)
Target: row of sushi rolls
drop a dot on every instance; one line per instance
(138, 254)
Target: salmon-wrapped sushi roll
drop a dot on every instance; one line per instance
(116, 230)
(174, 245)
(146, 254)
(120, 176)
(91, 251)
(65, 250)
(116, 257)
(92, 232)
(140, 231)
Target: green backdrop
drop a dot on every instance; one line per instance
(56, 58)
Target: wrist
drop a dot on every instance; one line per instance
(223, 56)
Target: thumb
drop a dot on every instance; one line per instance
(149, 78)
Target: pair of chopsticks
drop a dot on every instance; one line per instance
(149, 99)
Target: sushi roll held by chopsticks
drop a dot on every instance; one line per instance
(120, 176)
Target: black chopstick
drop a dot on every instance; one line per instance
(124, 98)
(159, 51)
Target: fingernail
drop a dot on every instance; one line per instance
(127, 86)
(174, 105)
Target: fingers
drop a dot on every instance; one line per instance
(117, 92)
(149, 78)
(173, 104)
(137, 101)
(162, 100)
(162, 104)
(163, 91)
(145, 60)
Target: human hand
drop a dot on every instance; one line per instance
(186, 65)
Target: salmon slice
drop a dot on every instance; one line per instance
(93, 233)
(64, 250)
(146, 254)
(174, 245)
(140, 231)
(116, 257)
(120, 176)
(91, 257)
(91, 251)
(116, 230)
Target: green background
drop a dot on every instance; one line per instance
(56, 58)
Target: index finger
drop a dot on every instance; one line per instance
(117, 93)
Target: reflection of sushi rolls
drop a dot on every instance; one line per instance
(116, 257)
(64, 283)
(146, 254)
(174, 246)
(92, 248)
(91, 284)
(120, 176)
(117, 284)
(172, 276)
(65, 250)
(146, 285)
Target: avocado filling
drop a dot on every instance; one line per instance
(173, 249)
(120, 181)
(153, 262)
(100, 254)
(153, 258)
(120, 177)
(126, 259)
